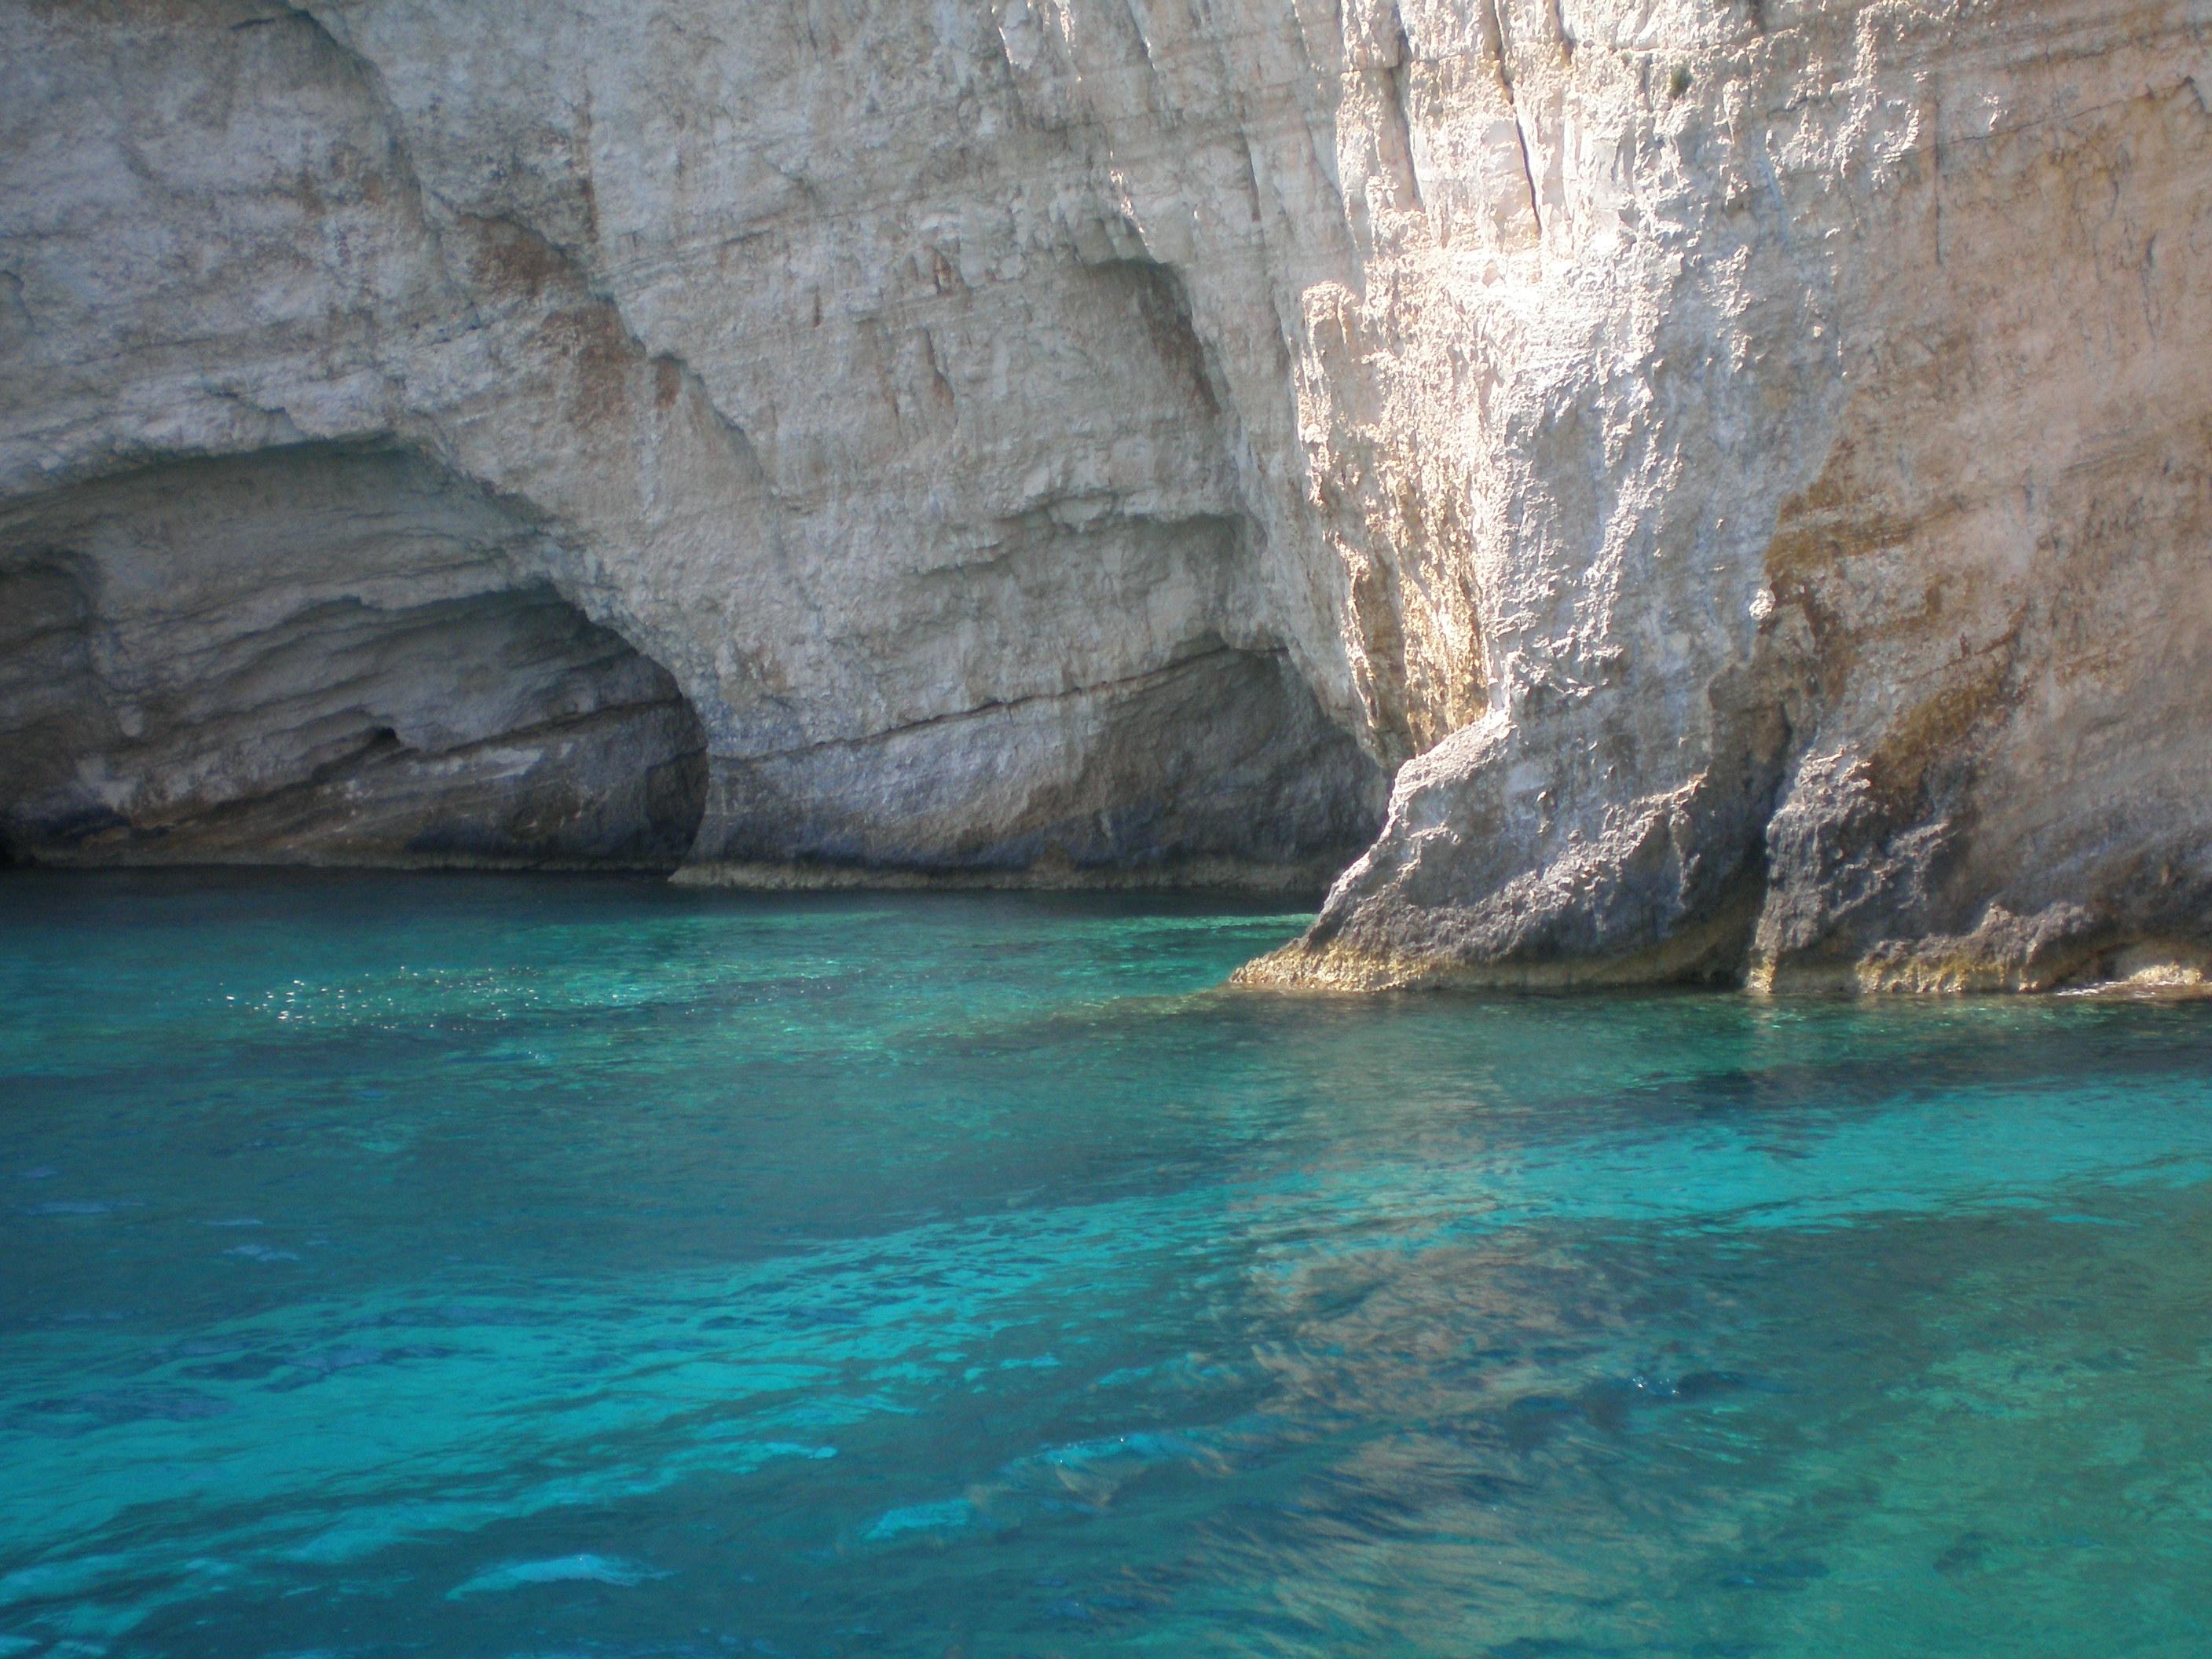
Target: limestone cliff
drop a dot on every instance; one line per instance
(1742, 463)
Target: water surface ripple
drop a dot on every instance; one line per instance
(489, 1267)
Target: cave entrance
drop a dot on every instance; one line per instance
(320, 655)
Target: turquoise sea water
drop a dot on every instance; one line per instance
(475, 1266)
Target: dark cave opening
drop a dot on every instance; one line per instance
(320, 655)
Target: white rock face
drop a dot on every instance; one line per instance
(787, 348)
(1745, 462)
(1844, 503)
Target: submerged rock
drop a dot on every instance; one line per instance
(1744, 467)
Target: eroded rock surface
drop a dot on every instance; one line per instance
(1743, 464)
(1849, 601)
(319, 655)
(788, 349)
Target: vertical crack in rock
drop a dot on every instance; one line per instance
(1398, 78)
(1202, 755)
(1498, 44)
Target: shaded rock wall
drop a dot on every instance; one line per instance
(1741, 465)
(319, 655)
(807, 358)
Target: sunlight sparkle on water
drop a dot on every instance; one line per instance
(478, 1265)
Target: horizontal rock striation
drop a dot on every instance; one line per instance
(319, 656)
(798, 358)
(1741, 466)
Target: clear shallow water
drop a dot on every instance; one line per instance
(473, 1266)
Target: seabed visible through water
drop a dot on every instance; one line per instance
(489, 1266)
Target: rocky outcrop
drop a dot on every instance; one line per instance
(1743, 466)
(1849, 599)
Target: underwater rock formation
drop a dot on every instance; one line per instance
(1741, 465)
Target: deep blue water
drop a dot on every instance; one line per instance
(475, 1266)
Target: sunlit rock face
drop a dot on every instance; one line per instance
(1743, 466)
(1834, 451)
